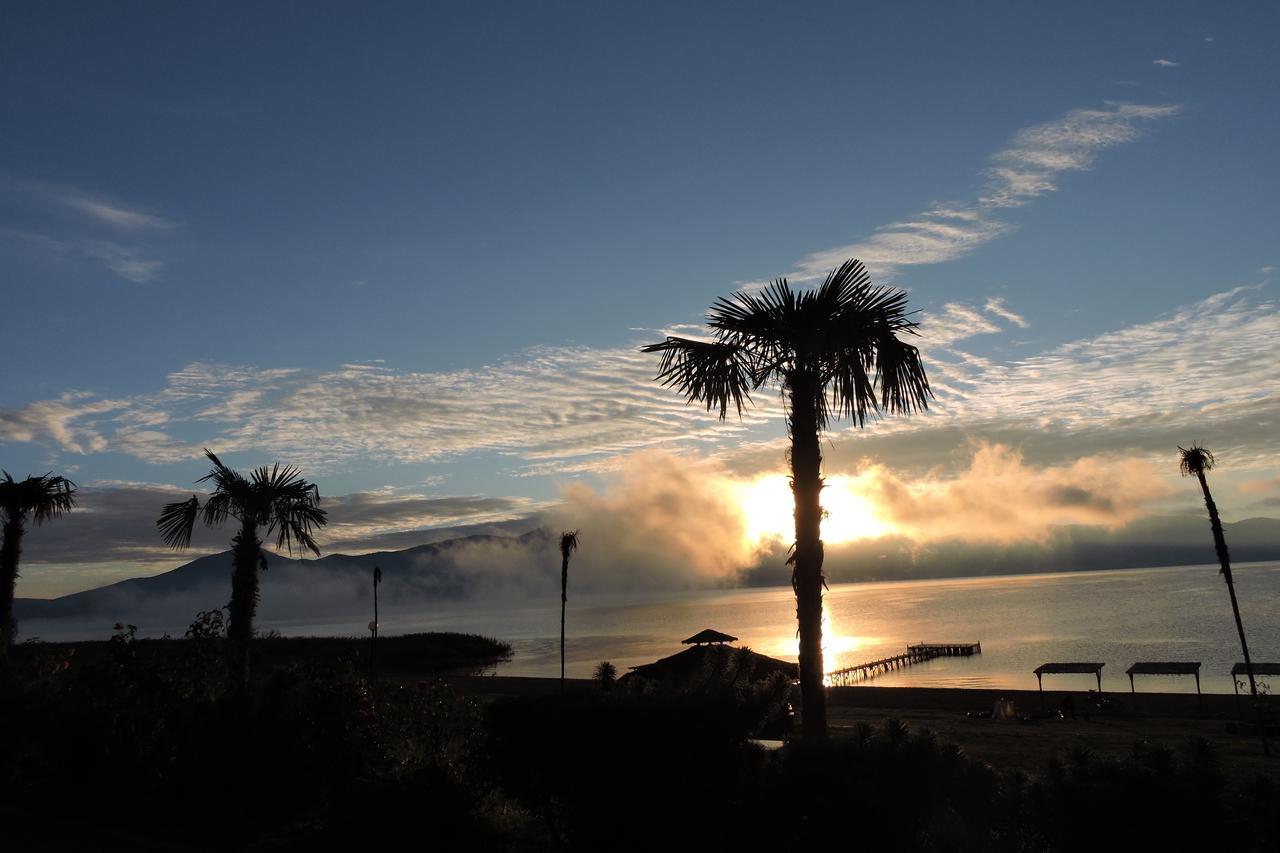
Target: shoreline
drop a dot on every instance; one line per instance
(1207, 706)
(1026, 744)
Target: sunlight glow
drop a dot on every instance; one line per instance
(767, 505)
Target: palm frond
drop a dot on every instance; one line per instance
(568, 543)
(1195, 460)
(845, 285)
(904, 386)
(755, 318)
(294, 509)
(850, 385)
(220, 475)
(715, 373)
(177, 521)
(44, 497)
(218, 507)
(56, 495)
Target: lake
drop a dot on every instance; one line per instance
(1119, 617)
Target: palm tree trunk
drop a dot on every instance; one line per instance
(564, 602)
(246, 552)
(1224, 560)
(806, 576)
(10, 551)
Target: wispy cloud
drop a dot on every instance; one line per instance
(996, 305)
(1203, 371)
(542, 405)
(128, 262)
(1029, 167)
(109, 232)
(1165, 63)
(102, 210)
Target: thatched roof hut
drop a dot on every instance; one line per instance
(710, 662)
(707, 636)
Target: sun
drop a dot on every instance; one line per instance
(767, 506)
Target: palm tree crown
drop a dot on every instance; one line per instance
(276, 499)
(42, 498)
(39, 499)
(842, 335)
(568, 544)
(1195, 460)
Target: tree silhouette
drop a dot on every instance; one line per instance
(37, 498)
(834, 351)
(1196, 460)
(276, 499)
(568, 544)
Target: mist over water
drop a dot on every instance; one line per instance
(1022, 621)
(1119, 617)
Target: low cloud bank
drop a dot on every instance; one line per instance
(658, 521)
(999, 498)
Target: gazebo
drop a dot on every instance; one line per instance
(706, 637)
(1148, 667)
(1072, 667)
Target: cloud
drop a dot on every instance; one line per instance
(997, 306)
(1030, 166)
(112, 532)
(94, 228)
(128, 262)
(661, 520)
(103, 211)
(544, 405)
(1165, 63)
(367, 521)
(1202, 371)
(1260, 487)
(54, 422)
(1002, 499)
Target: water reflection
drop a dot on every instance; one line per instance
(1023, 621)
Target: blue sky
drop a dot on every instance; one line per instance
(414, 247)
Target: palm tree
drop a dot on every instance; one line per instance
(37, 498)
(276, 499)
(834, 351)
(1197, 460)
(568, 544)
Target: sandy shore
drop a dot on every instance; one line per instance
(1170, 719)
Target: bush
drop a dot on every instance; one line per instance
(142, 739)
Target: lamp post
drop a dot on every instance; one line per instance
(373, 630)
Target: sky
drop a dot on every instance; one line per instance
(414, 250)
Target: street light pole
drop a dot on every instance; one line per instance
(373, 630)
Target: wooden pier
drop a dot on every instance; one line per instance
(918, 653)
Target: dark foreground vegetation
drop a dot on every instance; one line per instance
(400, 655)
(144, 747)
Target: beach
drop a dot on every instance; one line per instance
(1167, 719)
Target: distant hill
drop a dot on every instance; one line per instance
(334, 585)
(1179, 540)
(490, 566)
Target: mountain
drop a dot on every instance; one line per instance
(336, 585)
(1176, 540)
(488, 567)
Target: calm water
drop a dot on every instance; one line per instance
(1022, 621)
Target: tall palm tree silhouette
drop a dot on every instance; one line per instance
(275, 499)
(1196, 460)
(834, 351)
(39, 499)
(568, 544)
